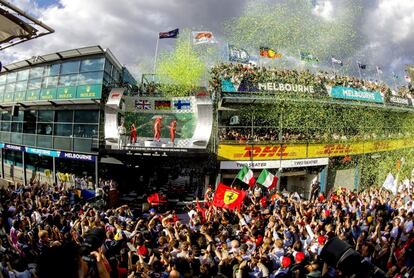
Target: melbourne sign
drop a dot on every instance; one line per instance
(285, 87)
(356, 94)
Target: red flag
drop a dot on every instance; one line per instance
(227, 197)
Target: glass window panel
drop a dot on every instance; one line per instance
(2, 88)
(6, 116)
(36, 72)
(63, 129)
(68, 80)
(44, 129)
(23, 75)
(108, 67)
(21, 86)
(50, 82)
(5, 126)
(52, 70)
(16, 127)
(46, 116)
(85, 131)
(19, 117)
(70, 67)
(29, 127)
(11, 77)
(91, 78)
(10, 87)
(92, 64)
(30, 115)
(34, 84)
(3, 79)
(64, 116)
(86, 116)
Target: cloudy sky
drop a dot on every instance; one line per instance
(130, 27)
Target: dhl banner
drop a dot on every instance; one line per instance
(297, 151)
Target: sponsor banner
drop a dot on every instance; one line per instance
(51, 153)
(294, 151)
(78, 156)
(285, 87)
(66, 93)
(13, 147)
(356, 94)
(89, 91)
(32, 95)
(402, 101)
(274, 164)
(48, 94)
(19, 96)
(261, 152)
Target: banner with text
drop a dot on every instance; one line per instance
(356, 94)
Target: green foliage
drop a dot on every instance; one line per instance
(181, 70)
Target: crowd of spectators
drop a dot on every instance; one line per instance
(242, 135)
(47, 231)
(252, 75)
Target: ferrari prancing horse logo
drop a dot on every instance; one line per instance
(230, 197)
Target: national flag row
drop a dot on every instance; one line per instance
(240, 55)
(265, 178)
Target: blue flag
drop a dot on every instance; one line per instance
(169, 35)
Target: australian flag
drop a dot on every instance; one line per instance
(142, 104)
(182, 104)
(169, 35)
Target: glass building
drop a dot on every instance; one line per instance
(52, 112)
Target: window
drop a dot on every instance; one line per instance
(70, 67)
(50, 82)
(85, 131)
(5, 126)
(46, 116)
(23, 75)
(36, 72)
(29, 127)
(86, 116)
(2, 89)
(63, 129)
(108, 67)
(44, 129)
(92, 64)
(19, 117)
(64, 116)
(52, 70)
(11, 77)
(10, 87)
(6, 116)
(17, 127)
(90, 78)
(21, 86)
(3, 79)
(34, 84)
(68, 80)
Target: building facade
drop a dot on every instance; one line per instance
(51, 120)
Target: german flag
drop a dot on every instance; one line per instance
(269, 53)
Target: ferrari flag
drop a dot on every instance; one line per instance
(227, 197)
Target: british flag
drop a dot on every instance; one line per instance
(142, 104)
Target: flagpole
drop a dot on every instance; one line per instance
(359, 70)
(156, 53)
(379, 78)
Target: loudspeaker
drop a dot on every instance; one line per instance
(15, 111)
